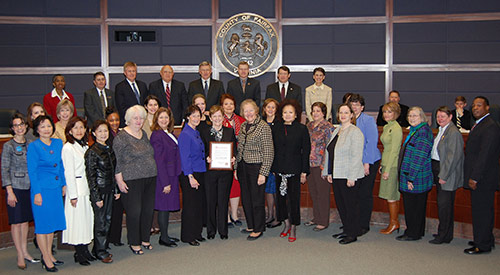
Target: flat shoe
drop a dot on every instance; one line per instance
(201, 239)
(348, 240)
(246, 231)
(340, 235)
(309, 223)
(405, 238)
(253, 238)
(319, 229)
(174, 239)
(437, 241)
(170, 243)
(147, 246)
(474, 250)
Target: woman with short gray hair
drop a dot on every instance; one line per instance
(135, 175)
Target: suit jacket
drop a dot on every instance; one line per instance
(466, 120)
(178, 97)
(294, 91)
(125, 97)
(402, 119)
(252, 91)
(481, 155)
(415, 161)
(227, 136)
(348, 160)
(215, 91)
(92, 104)
(451, 158)
(292, 146)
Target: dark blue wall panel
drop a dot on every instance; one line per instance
(413, 7)
(334, 44)
(49, 45)
(433, 89)
(50, 8)
(159, 9)
(173, 45)
(228, 8)
(333, 8)
(454, 42)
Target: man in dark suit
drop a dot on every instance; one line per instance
(172, 93)
(97, 99)
(211, 88)
(244, 87)
(403, 117)
(481, 171)
(130, 91)
(283, 88)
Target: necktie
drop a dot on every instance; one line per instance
(243, 85)
(103, 103)
(473, 126)
(205, 88)
(459, 122)
(137, 95)
(283, 92)
(167, 91)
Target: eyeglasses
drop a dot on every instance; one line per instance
(18, 125)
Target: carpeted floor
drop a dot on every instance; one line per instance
(312, 253)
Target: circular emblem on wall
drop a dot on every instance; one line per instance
(247, 37)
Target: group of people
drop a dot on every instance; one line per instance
(134, 162)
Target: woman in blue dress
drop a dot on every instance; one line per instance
(48, 186)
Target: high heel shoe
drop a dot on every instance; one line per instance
(282, 235)
(33, 261)
(292, 239)
(48, 269)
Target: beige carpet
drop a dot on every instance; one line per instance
(312, 253)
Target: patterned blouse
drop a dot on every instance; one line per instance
(320, 135)
(234, 122)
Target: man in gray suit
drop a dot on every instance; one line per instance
(211, 88)
(244, 87)
(97, 99)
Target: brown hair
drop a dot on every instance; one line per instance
(30, 112)
(215, 108)
(129, 64)
(156, 126)
(72, 122)
(460, 98)
(444, 109)
(196, 96)
(11, 123)
(393, 107)
(227, 96)
(267, 102)
(320, 105)
(353, 119)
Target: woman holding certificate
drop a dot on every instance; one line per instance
(255, 157)
(217, 182)
(290, 166)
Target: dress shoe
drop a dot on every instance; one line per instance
(437, 241)
(253, 238)
(211, 237)
(246, 231)
(223, 237)
(474, 250)
(201, 239)
(284, 234)
(48, 269)
(238, 223)
(405, 238)
(89, 256)
(81, 259)
(107, 260)
(22, 267)
(118, 244)
(471, 243)
(194, 243)
(58, 263)
(33, 261)
(348, 240)
(363, 232)
(174, 239)
(168, 244)
(340, 235)
(230, 225)
(317, 229)
(271, 225)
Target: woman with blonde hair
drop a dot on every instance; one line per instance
(65, 112)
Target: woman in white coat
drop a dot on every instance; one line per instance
(77, 207)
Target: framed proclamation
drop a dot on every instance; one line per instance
(221, 154)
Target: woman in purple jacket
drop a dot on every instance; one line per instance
(168, 163)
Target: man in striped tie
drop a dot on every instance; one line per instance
(130, 91)
(172, 93)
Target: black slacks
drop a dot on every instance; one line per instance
(483, 216)
(192, 208)
(139, 205)
(366, 195)
(415, 205)
(252, 196)
(288, 206)
(446, 206)
(347, 202)
(102, 222)
(217, 189)
(115, 229)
